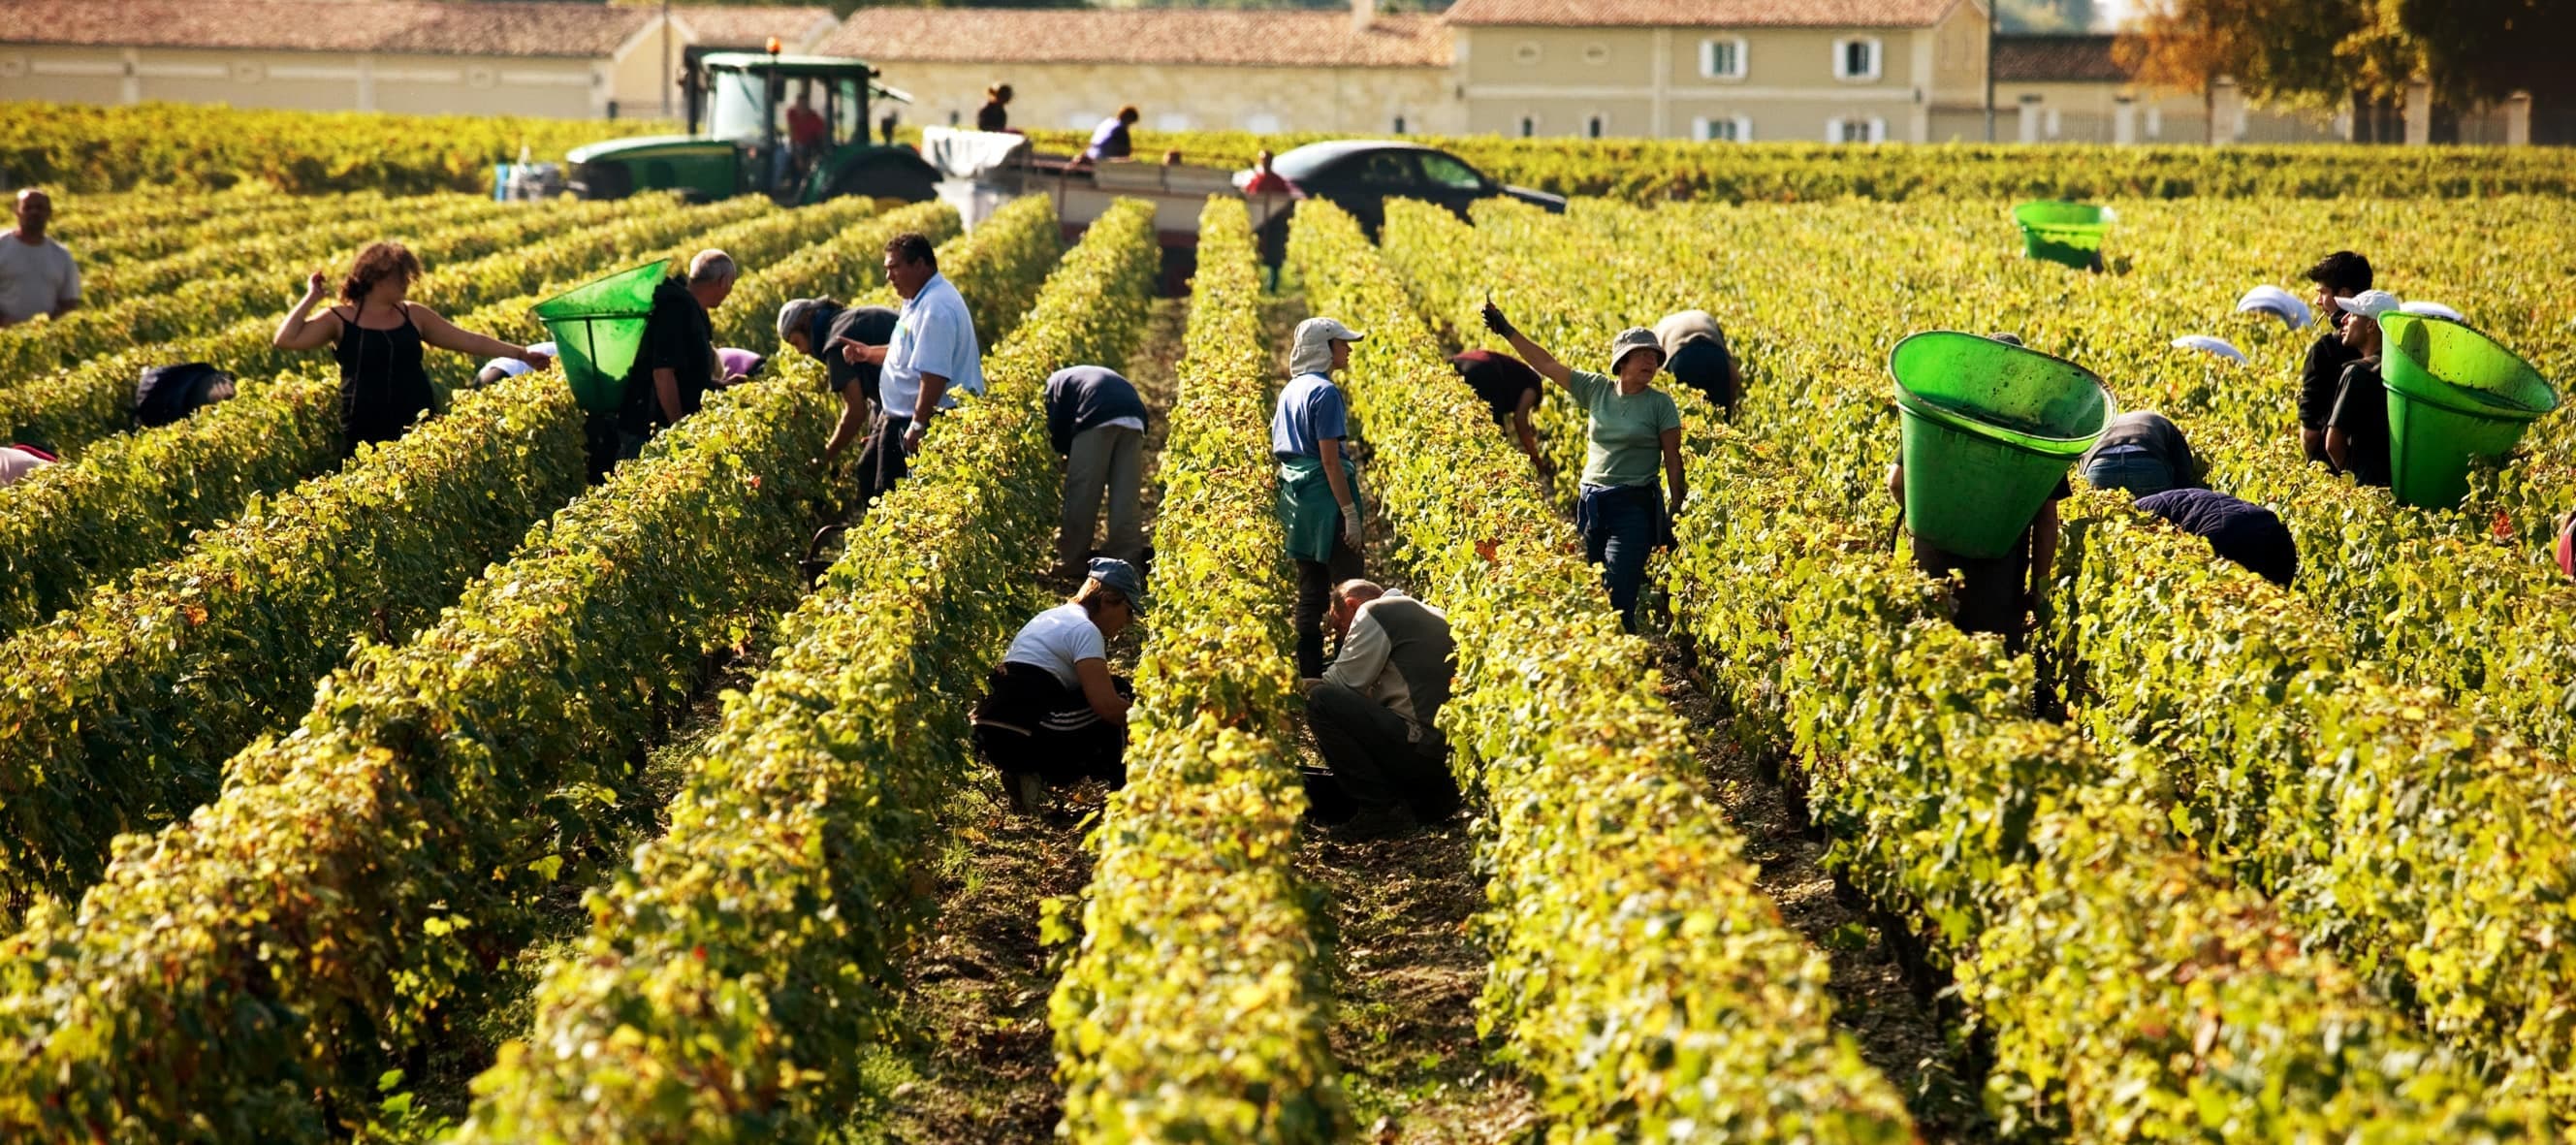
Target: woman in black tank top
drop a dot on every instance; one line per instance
(377, 340)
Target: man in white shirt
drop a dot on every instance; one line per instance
(932, 352)
(37, 276)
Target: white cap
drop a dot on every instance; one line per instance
(2369, 304)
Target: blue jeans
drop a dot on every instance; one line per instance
(2131, 468)
(1619, 526)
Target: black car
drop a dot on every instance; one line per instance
(1360, 175)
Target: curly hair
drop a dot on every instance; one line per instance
(376, 264)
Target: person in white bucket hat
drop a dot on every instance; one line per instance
(1319, 494)
(2357, 429)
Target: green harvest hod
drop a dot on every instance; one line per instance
(1989, 429)
(2066, 233)
(2453, 395)
(598, 328)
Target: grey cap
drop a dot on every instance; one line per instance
(1630, 341)
(798, 314)
(1117, 574)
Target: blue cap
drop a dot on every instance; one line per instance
(1117, 574)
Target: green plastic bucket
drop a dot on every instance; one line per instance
(1989, 429)
(2453, 394)
(2061, 232)
(598, 328)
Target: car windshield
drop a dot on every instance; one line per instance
(740, 105)
(1450, 173)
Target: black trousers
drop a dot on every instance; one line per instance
(1029, 723)
(1315, 581)
(1368, 748)
(882, 462)
(1993, 592)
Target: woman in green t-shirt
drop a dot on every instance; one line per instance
(1634, 429)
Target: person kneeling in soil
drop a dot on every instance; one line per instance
(1995, 594)
(1375, 713)
(1051, 711)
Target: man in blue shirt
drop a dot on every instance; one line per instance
(1318, 500)
(933, 351)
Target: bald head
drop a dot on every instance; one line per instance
(711, 276)
(34, 210)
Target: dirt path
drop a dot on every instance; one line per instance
(983, 1069)
(1897, 1021)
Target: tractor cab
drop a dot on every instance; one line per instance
(795, 128)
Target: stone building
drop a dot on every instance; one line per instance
(1836, 71)
(2069, 89)
(1185, 70)
(420, 56)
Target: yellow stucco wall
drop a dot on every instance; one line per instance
(1959, 60)
(322, 81)
(1173, 97)
(2087, 113)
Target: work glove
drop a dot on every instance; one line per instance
(1495, 321)
(1351, 525)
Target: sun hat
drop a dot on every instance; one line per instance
(2279, 303)
(1630, 341)
(2219, 346)
(1310, 350)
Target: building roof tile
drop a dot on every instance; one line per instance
(2057, 59)
(419, 27)
(741, 26)
(1003, 36)
(1701, 13)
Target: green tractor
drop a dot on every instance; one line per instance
(794, 128)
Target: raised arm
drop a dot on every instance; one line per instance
(1531, 352)
(302, 330)
(446, 335)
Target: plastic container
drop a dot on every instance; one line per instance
(598, 327)
(1989, 429)
(2453, 395)
(2061, 232)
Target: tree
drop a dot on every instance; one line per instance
(2326, 53)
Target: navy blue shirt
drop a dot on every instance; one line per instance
(2236, 529)
(1087, 397)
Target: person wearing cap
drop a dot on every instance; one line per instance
(825, 330)
(2236, 529)
(1052, 712)
(1511, 390)
(1319, 496)
(1375, 714)
(1993, 594)
(2357, 427)
(930, 358)
(1695, 355)
(2337, 276)
(2143, 452)
(498, 368)
(1096, 422)
(1633, 429)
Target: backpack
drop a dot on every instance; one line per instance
(168, 393)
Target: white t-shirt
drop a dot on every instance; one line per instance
(17, 463)
(34, 279)
(1059, 638)
(932, 335)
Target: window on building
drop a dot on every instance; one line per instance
(2052, 123)
(1529, 126)
(1855, 129)
(1525, 52)
(1399, 125)
(1595, 125)
(1723, 129)
(1856, 58)
(1722, 58)
(1596, 54)
(1448, 172)
(952, 118)
(2155, 121)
